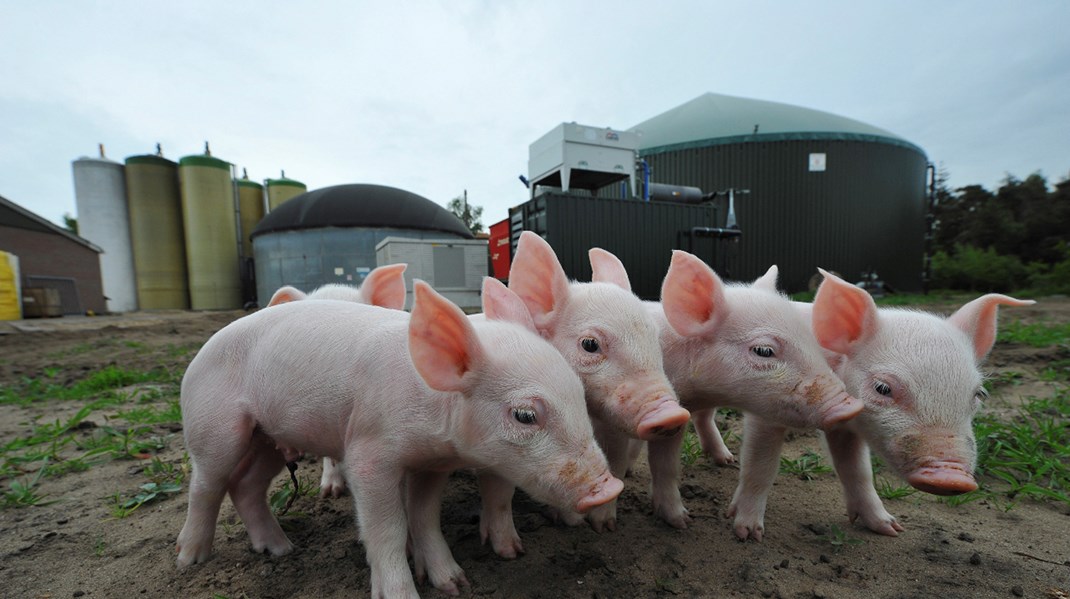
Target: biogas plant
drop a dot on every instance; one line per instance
(741, 183)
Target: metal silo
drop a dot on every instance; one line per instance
(208, 215)
(100, 196)
(156, 233)
(282, 189)
(250, 211)
(824, 190)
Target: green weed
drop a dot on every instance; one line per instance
(838, 539)
(305, 487)
(807, 466)
(692, 449)
(24, 494)
(148, 492)
(888, 490)
(1034, 335)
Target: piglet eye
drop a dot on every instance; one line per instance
(982, 394)
(524, 415)
(589, 344)
(883, 388)
(763, 351)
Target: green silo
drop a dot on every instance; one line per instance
(208, 213)
(156, 233)
(282, 189)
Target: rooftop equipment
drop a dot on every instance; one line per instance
(582, 157)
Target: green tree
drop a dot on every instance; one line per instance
(470, 215)
(70, 222)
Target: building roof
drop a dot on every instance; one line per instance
(15, 216)
(361, 205)
(716, 119)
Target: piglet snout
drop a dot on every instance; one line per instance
(606, 489)
(664, 420)
(942, 478)
(842, 408)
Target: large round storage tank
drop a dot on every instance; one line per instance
(825, 190)
(156, 233)
(282, 189)
(329, 235)
(250, 211)
(100, 196)
(208, 216)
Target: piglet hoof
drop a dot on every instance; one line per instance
(674, 518)
(745, 532)
(452, 584)
(723, 458)
(275, 548)
(188, 555)
(884, 524)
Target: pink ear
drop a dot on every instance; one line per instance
(286, 295)
(442, 343)
(843, 314)
(692, 296)
(537, 277)
(767, 281)
(978, 320)
(606, 268)
(499, 303)
(385, 287)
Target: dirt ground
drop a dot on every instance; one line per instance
(76, 547)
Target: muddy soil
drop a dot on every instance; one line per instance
(77, 547)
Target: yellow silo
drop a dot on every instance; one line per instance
(282, 189)
(208, 214)
(250, 211)
(156, 233)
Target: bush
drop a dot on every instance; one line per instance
(973, 269)
(1053, 278)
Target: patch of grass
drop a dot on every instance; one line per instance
(1029, 456)
(888, 490)
(24, 494)
(305, 487)
(165, 480)
(838, 539)
(1034, 335)
(153, 415)
(31, 390)
(691, 450)
(807, 466)
(1003, 379)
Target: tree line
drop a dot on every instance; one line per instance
(1017, 238)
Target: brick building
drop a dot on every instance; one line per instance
(50, 256)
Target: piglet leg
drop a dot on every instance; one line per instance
(431, 555)
(248, 488)
(381, 515)
(496, 517)
(709, 437)
(332, 483)
(664, 458)
(760, 456)
(850, 456)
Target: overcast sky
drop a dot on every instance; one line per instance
(440, 97)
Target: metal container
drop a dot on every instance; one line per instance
(454, 267)
(41, 302)
(210, 223)
(100, 196)
(282, 189)
(156, 233)
(641, 234)
(500, 250)
(582, 157)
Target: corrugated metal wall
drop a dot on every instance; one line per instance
(866, 210)
(641, 234)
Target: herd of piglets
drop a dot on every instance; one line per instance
(555, 388)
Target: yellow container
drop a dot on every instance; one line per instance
(250, 211)
(280, 190)
(10, 302)
(156, 233)
(208, 213)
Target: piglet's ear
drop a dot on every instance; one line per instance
(537, 277)
(606, 268)
(843, 315)
(499, 303)
(767, 281)
(978, 320)
(385, 287)
(286, 295)
(692, 296)
(442, 343)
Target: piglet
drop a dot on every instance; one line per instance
(386, 394)
(918, 377)
(384, 286)
(606, 336)
(739, 346)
